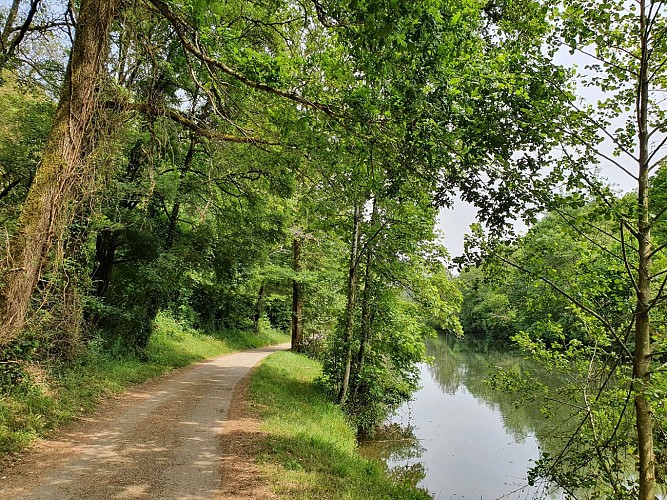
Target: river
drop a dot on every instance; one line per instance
(464, 440)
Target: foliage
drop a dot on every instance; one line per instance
(318, 457)
(561, 292)
(27, 114)
(508, 294)
(223, 132)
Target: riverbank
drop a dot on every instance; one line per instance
(51, 396)
(304, 447)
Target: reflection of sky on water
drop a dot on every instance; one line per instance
(467, 451)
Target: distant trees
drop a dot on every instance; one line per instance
(561, 293)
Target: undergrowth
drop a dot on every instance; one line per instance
(311, 449)
(51, 394)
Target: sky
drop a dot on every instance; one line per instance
(455, 222)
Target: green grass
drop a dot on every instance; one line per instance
(53, 395)
(311, 449)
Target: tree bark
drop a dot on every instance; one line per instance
(365, 328)
(9, 23)
(259, 306)
(106, 245)
(351, 302)
(180, 191)
(366, 321)
(297, 296)
(59, 173)
(8, 46)
(642, 356)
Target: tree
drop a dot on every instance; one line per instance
(65, 168)
(630, 70)
(60, 174)
(625, 129)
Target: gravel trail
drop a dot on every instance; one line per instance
(161, 441)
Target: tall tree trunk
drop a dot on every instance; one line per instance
(57, 179)
(364, 342)
(365, 327)
(351, 302)
(297, 296)
(642, 358)
(106, 245)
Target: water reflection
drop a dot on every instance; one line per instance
(465, 440)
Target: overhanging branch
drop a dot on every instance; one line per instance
(186, 121)
(192, 46)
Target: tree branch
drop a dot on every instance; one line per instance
(572, 299)
(193, 48)
(188, 122)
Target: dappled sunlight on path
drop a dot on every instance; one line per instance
(161, 441)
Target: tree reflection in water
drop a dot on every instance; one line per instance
(465, 438)
(396, 444)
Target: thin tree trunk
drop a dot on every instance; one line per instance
(365, 327)
(173, 217)
(642, 357)
(259, 306)
(9, 46)
(365, 310)
(58, 176)
(351, 302)
(297, 296)
(9, 24)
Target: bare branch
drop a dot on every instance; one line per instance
(626, 262)
(23, 29)
(659, 294)
(565, 217)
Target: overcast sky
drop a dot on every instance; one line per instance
(455, 222)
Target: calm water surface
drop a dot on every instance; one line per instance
(469, 441)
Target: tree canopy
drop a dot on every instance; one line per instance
(281, 164)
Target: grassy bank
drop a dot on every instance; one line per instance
(311, 450)
(52, 395)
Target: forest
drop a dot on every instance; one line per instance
(279, 166)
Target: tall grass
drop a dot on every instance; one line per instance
(52, 394)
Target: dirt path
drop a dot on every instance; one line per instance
(160, 442)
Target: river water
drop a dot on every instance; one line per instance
(467, 441)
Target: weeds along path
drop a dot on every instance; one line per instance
(160, 441)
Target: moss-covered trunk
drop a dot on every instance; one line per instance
(59, 176)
